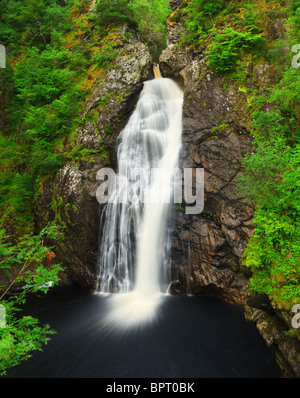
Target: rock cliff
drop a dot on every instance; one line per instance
(206, 248)
(71, 196)
(215, 138)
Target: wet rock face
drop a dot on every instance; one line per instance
(207, 247)
(274, 326)
(116, 94)
(71, 197)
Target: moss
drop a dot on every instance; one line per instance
(214, 137)
(207, 216)
(243, 89)
(220, 128)
(109, 129)
(178, 208)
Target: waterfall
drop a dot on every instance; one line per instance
(134, 243)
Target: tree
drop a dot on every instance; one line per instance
(33, 261)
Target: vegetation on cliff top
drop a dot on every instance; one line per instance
(148, 18)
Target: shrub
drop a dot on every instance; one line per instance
(227, 47)
(198, 19)
(271, 181)
(23, 334)
(151, 26)
(116, 11)
(211, 8)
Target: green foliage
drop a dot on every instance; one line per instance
(151, 27)
(273, 255)
(104, 58)
(210, 8)
(198, 19)
(44, 99)
(39, 78)
(251, 18)
(51, 162)
(117, 11)
(228, 46)
(19, 339)
(46, 94)
(23, 334)
(31, 21)
(206, 20)
(222, 127)
(107, 53)
(109, 129)
(271, 180)
(51, 45)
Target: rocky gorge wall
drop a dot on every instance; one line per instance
(206, 248)
(215, 138)
(71, 196)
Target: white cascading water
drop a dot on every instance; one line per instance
(134, 242)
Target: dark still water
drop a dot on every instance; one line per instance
(192, 337)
